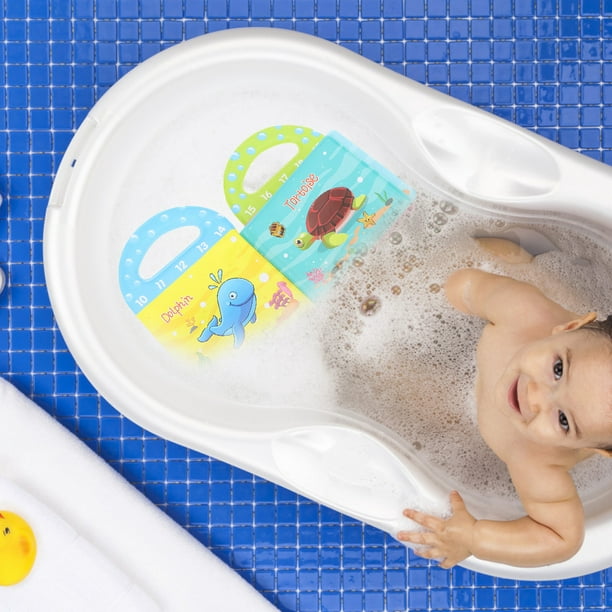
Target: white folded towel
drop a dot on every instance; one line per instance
(102, 546)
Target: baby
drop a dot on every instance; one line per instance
(544, 401)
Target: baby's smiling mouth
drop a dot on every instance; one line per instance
(513, 396)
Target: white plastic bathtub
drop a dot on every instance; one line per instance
(161, 138)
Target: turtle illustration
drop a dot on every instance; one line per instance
(326, 215)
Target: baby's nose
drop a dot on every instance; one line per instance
(538, 397)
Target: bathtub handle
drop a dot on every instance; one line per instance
(503, 167)
(355, 473)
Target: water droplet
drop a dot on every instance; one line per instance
(448, 208)
(435, 288)
(358, 262)
(395, 238)
(396, 290)
(360, 249)
(440, 219)
(370, 306)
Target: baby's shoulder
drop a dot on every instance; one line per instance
(541, 482)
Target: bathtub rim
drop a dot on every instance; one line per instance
(79, 333)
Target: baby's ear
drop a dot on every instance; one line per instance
(575, 323)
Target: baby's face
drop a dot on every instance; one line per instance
(558, 390)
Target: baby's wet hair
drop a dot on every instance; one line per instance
(601, 326)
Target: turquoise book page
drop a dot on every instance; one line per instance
(337, 202)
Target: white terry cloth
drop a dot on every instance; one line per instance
(102, 546)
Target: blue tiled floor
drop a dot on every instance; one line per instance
(543, 64)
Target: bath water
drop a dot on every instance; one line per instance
(385, 345)
(402, 356)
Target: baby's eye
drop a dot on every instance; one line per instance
(558, 368)
(563, 421)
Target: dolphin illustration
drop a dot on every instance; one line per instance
(237, 302)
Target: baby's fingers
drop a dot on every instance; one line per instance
(457, 503)
(420, 538)
(432, 523)
(426, 544)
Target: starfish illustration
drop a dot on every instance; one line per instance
(367, 220)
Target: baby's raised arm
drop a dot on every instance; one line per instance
(502, 300)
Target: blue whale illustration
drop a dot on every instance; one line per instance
(237, 301)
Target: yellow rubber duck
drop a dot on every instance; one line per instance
(17, 548)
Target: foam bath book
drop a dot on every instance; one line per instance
(213, 294)
(337, 199)
(329, 202)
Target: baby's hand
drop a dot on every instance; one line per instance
(447, 539)
(506, 250)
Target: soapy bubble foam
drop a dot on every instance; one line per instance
(385, 344)
(409, 363)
